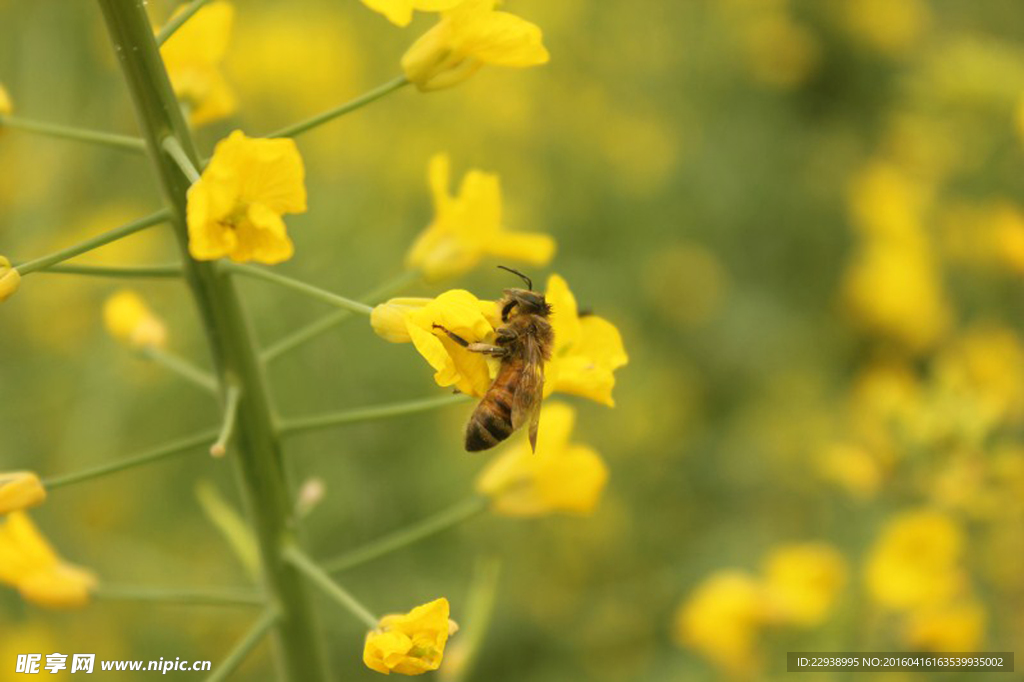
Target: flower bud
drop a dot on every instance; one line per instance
(129, 320)
(20, 490)
(388, 319)
(10, 278)
(5, 102)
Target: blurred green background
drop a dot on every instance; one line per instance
(803, 217)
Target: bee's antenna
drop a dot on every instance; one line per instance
(529, 282)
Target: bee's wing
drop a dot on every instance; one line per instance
(529, 392)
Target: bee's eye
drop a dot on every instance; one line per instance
(507, 309)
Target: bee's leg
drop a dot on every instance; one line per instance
(487, 349)
(453, 336)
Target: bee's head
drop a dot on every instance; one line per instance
(523, 301)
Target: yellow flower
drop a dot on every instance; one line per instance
(235, 208)
(468, 36)
(587, 352)
(5, 101)
(20, 490)
(129, 320)
(802, 581)
(193, 56)
(28, 563)
(721, 618)
(891, 26)
(915, 562)
(468, 227)
(10, 279)
(587, 349)
(851, 467)
(955, 627)
(559, 477)
(399, 12)
(410, 644)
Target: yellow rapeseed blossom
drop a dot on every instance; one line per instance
(128, 319)
(468, 36)
(721, 619)
(10, 279)
(468, 227)
(235, 208)
(802, 582)
(890, 26)
(28, 563)
(851, 467)
(781, 52)
(410, 644)
(959, 626)
(399, 12)
(560, 477)
(5, 101)
(587, 349)
(193, 56)
(20, 490)
(915, 562)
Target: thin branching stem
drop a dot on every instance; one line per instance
(175, 447)
(111, 140)
(432, 525)
(245, 646)
(319, 577)
(174, 149)
(178, 20)
(44, 262)
(332, 319)
(365, 414)
(234, 395)
(297, 286)
(348, 107)
(180, 366)
(171, 270)
(190, 596)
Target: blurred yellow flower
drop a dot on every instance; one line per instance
(128, 319)
(587, 352)
(468, 227)
(5, 101)
(235, 208)
(399, 12)
(959, 626)
(192, 56)
(405, 319)
(410, 644)
(890, 26)
(28, 563)
(587, 349)
(20, 490)
(10, 279)
(915, 561)
(802, 582)
(720, 619)
(468, 36)
(559, 477)
(781, 53)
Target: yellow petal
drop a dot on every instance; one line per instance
(526, 247)
(10, 279)
(497, 38)
(5, 101)
(409, 644)
(203, 39)
(802, 582)
(564, 314)
(20, 490)
(65, 586)
(208, 237)
(388, 319)
(128, 319)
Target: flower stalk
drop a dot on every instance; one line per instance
(338, 593)
(366, 414)
(177, 595)
(341, 110)
(259, 459)
(297, 286)
(112, 140)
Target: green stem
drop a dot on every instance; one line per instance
(219, 448)
(180, 366)
(44, 262)
(173, 147)
(176, 447)
(347, 107)
(259, 460)
(331, 320)
(320, 578)
(116, 271)
(297, 286)
(432, 525)
(245, 646)
(122, 142)
(175, 595)
(365, 414)
(178, 20)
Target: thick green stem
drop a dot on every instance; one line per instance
(113, 140)
(259, 462)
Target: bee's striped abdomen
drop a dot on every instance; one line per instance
(491, 422)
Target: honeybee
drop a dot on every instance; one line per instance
(523, 343)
